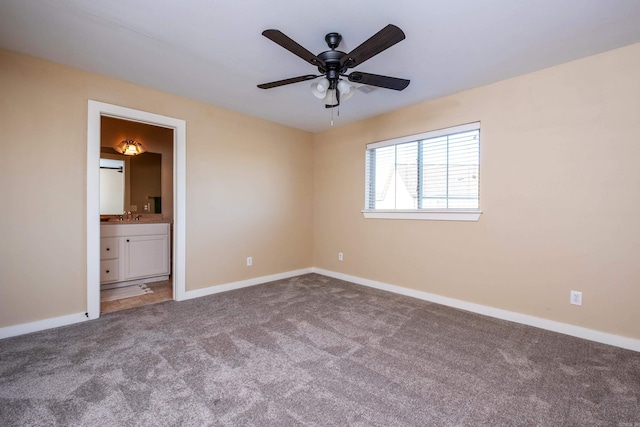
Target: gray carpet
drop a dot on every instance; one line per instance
(310, 351)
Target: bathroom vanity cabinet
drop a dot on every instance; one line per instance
(134, 251)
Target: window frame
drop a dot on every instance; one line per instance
(447, 214)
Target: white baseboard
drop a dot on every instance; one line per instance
(563, 328)
(55, 322)
(538, 322)
(244, 283)
(41, 325)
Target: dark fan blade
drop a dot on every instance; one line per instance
(377, 80)
(287, 81)
(383, 39)
(286, 42)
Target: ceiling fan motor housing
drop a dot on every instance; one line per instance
(332, 69)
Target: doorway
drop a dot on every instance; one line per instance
(140, 183)
(96, 112)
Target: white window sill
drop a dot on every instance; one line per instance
(433, 215)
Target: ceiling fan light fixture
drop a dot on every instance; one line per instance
(346, 90)
(323, 84)
(319, 89)
(331, 99)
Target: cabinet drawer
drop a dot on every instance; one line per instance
(109, 271)
(109, 248)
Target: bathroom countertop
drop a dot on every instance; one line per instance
(142, 220)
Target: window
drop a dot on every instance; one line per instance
(434, 175)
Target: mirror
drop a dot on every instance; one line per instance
(130, 183)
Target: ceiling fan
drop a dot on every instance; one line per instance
(333, 64)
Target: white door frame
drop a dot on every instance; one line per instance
(95, 112)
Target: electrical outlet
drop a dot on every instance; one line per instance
(249, 261)
(576, 298)
(340, 256)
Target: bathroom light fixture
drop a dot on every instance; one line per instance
(129, 147)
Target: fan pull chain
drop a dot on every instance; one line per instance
(337, 115)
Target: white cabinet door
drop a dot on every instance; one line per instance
(146, 256)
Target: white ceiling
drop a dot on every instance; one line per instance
(213, 50)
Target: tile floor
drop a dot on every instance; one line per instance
(162, 291)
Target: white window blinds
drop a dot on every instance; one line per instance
(432, 171)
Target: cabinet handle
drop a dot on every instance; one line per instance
(127, 240)
(107, 271)
(107, 249)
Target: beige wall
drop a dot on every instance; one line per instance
(248, 187)
(560, 192)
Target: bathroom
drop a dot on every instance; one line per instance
(136, 214)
